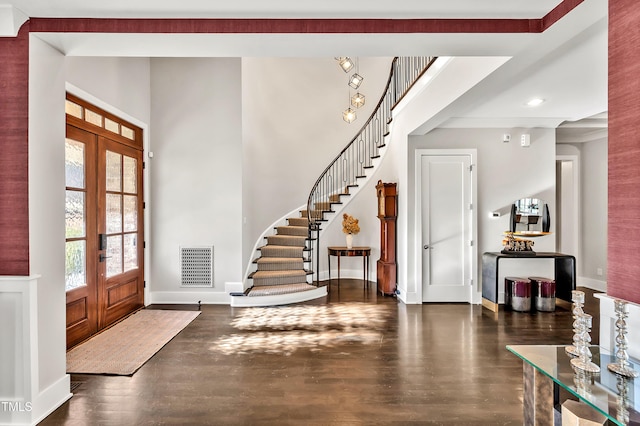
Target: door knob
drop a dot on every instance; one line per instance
(102, 257)
(427, 247)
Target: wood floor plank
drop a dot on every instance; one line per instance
(433, 364)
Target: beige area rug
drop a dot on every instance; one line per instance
(125, 347)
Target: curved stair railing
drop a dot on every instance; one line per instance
(353, 161)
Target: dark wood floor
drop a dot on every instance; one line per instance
(434, 364)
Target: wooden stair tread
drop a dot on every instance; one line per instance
(278, 259)
(271, 290)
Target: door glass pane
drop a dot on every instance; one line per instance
(130, 213)
(114, 171)
(114, 255)
(127, 132)
(93, 117)
(130, 252)
(72, 108)
(74, 163)
(114, 213)
(129, 173)
(74, 214)
(111, 125)
(75, 265)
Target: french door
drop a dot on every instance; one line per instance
(104, 231)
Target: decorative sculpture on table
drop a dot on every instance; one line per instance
(622, 367)
(583, 361)
(577, 297)
(512, 245)
(350, 227)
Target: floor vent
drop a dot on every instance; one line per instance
(196, 266)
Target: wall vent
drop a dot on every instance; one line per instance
(196, 266)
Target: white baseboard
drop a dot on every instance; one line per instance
(51, 398)
(408, 298)
(193, 296)
(190, 297)
(592, 284)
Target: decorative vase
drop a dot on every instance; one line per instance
(349, 241)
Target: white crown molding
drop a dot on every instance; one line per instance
(11, 19)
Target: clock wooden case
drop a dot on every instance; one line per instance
(387, 213)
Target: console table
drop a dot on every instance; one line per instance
(564, 266)
(547, 368)
(363, 252)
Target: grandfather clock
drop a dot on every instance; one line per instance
(387, 214)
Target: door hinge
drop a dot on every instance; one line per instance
(144, 283)
(471, 168)
(471, 282)
(144, 165)
(470, 243)
(470, 206)
(144, 244)
(144, 205)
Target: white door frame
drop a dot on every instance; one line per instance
(575, 159)
(475, 296)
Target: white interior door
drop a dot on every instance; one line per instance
(567, 206)
(446, 228)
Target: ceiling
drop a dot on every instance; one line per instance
(287, 8)
(566, 65)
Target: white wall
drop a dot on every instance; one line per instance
(122, 83)
(594, 173)
(293, 128)
(449, 79)
(594, 176)
(196, 172)
(592, 157)
(46, 203)
(505, 173)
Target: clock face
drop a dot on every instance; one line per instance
(381, 209)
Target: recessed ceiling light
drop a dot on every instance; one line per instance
(535, 102)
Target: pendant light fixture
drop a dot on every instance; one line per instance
(345, 62)
(349, 115)
(357, 100)
(355, 80)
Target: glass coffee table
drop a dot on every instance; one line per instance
(546, 369)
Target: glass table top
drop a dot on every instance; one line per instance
(615, 397)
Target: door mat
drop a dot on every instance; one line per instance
(125, 347)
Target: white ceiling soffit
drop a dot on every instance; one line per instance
(285, 45)
(287, 8)
(569, 71)
(586, 130)
(11, 20)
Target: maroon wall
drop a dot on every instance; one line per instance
(623, 278)
(14, 159)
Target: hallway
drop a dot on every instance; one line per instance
(433, 364)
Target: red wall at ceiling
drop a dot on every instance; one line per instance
(14, 160)
(623, 278)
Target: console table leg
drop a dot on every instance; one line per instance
(538, 397)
